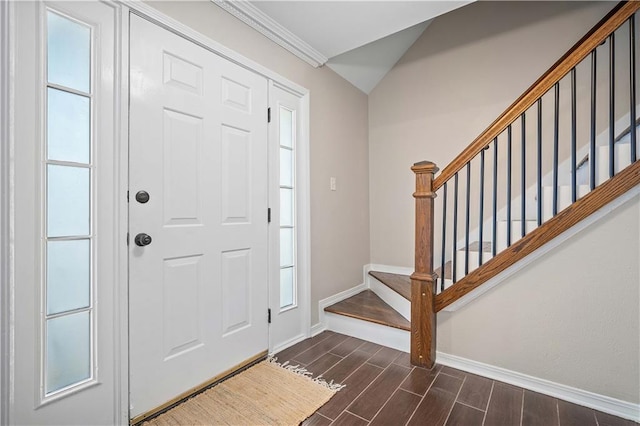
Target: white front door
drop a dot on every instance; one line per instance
(198, 149)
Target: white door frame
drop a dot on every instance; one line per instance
(6, 202)
(7, 141)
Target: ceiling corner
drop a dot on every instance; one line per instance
(258, 20)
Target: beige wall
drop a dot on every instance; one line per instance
(339, 147)
(571, 317)
(467, 67)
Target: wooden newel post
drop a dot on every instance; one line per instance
(423, 280)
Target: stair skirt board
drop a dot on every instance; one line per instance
(390, 297)
(585, 398)
(369, 331)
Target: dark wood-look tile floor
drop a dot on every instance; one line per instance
(383, 388)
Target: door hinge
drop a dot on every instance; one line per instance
(269, 215)
(269, 315)
(127, 238)
(127, 196)
(269, 115)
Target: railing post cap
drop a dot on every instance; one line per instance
(425, 167)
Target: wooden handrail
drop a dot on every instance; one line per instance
(598, 34)
(585, 206)
(423, 280)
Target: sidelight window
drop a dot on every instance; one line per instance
(68, 290)
(287, 131)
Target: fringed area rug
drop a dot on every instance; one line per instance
(266, 394)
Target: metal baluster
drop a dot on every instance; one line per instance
(454, 259)
(556, 125)
(632, 85)
(612, 99)
(495, 197)
(466, 236)
(509, 185)
(523, 181)
(481, 211)
(574, 173)
(539, 206)
(592, 145)
(444, 236)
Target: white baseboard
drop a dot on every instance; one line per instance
(598, 402)
(297, 339)
(317, 329)
(369, 331)
(388, 268)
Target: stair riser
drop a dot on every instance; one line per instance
(376, 333)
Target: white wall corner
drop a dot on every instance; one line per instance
(585, 398)
(261, 22)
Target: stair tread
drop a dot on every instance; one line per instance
(447, 271)
(475, 246)
(401, 284)
(367, 306)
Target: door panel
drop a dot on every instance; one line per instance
(198, 146)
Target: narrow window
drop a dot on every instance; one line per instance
(288, 296)
(68, 223)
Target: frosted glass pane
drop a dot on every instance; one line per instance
(68, 279)
(68, 351)
(286, 247)
(286, 207)
(67, 201)
(68, 124)
(286, 128)
(287, 284)
(286, 167)
(68, 53)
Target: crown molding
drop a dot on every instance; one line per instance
(261, 22)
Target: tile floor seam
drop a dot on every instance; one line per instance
(320, 414)
(422, 399)
(455, 400)
(558, 412)
(470, 406)
(595, 416)
(493, 384)
(355, 349)
(353, 414)
(408, 391)
(376, 378)
(522, 408)
(383, 405)
(361, 392)
(356, 369)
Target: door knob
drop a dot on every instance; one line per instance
(142, 197)
(143, 240)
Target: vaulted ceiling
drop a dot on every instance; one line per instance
(359, 39)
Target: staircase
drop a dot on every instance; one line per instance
(514, 190)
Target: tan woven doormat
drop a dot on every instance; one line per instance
(266, 394)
